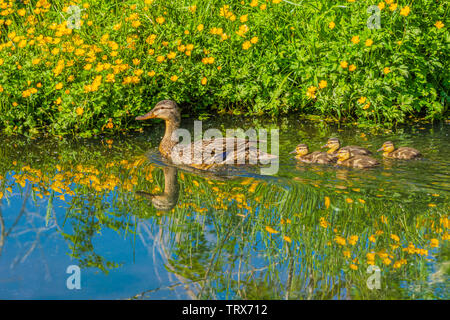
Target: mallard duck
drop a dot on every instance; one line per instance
(404, 153)
(347, 159)
(207, 154)
(302, 154)
(334, 145)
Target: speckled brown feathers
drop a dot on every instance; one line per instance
(402, 153)
(303, 155)
(360, 162)
(347, 159)
(334, 145)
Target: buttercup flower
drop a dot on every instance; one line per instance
(439, 24)
(355, 39)
(405, 11)
(323, 84)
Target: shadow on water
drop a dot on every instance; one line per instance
(142, 229)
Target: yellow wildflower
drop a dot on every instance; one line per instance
(362, 100)
(246, 45)
(434, 243)
(439, 24)
(271, 230)
(405, 11)
(327, 202)
(393, 6)
(352, 240)
(340, 240)
(311, 92)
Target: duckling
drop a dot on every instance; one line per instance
(303, 155)
(334, 146)
(346, 158)
(404, 153)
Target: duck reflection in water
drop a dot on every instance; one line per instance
(168, 199)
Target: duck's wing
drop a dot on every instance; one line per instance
(221, 151)
(406, 153)
(322, 157)
(363, 162)
(308, 158)
(238, 151)
(357, 150)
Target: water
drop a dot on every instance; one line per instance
(308, 232)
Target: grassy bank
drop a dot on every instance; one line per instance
(65, 75)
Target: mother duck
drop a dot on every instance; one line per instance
(206, 154)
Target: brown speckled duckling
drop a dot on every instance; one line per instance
(347, 159)
(403, 153)
(334, 145)
(302, 154)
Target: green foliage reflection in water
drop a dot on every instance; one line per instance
(248, 238)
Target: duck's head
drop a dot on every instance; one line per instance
(161, 202)
(343, 155)
(301, 150)
(388, 146)
(165, 109)
(332, 144)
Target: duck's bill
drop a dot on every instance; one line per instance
(292, 152)
(324, 146)
(149, 115)
(381, 149)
